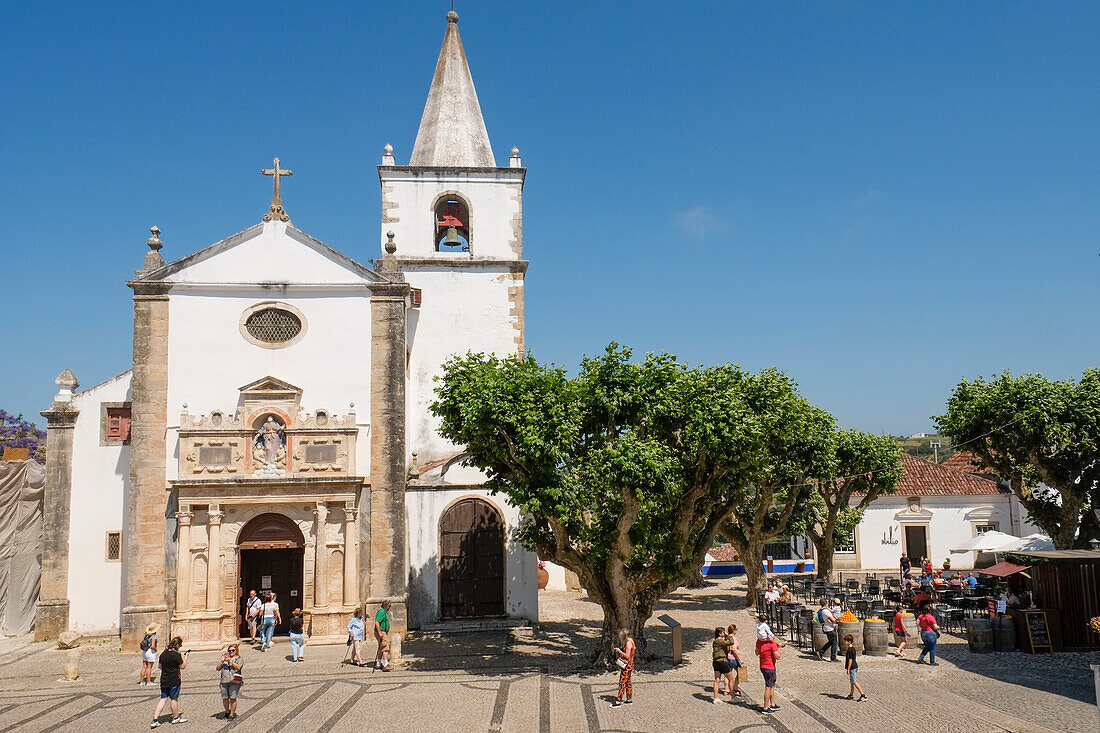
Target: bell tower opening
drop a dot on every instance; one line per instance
(452, 225)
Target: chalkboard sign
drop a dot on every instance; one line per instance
(1037, 631)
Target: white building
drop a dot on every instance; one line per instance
(274, 433)
(935, 508)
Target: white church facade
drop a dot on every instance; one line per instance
(274, 432)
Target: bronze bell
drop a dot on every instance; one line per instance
(452, 240)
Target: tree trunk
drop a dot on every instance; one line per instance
(632, 618)
(695, 580)
(824, 561)
(751, 555)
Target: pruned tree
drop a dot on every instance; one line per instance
(1036, 432)
(623, 472)
(860, 465)
(796, 451)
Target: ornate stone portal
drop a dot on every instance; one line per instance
(267, 457)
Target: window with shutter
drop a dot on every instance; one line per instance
(118, 423)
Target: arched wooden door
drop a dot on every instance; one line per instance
(471, 561)
(271, 558)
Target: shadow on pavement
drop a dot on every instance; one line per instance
(1026, 670)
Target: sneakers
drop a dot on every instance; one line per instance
(715, 701)
(850, 697)
(628, 702)
(155, 724)
(617, 704)
(862, 698)
(774, 708)
(179, 719)
(765, 710)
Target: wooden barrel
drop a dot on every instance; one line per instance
(979, 635)
(855, 628)
(876, 639)
(1004, 634)
(819, 635)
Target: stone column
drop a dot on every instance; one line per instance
(386, 552)
(320, 556)
(53, 598)
(144, 570)
(183, 560)
(213, 560)
(351, 584)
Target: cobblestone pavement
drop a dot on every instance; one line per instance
(493, 681)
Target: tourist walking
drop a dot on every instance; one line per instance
(850, 666)
(231, 667)
(768, 651)
(252, 608)
(901, 636)
(172, 663)
(271, 617)
(625, 663)
(148, 654)
(355, 637)
(720, 649)
(906, 565)
(827, 620)
(734, 658)
(382, 636)
(929, 634)
(297, 637)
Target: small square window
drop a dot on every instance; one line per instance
(118, 424)
(988, 527)
(114, 546)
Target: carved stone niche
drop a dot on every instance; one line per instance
(226, 443)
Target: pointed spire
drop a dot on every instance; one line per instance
(452, 132)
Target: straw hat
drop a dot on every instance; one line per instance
(152, 629)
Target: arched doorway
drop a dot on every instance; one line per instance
(471, 561)
(272, 551)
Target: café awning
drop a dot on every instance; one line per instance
(1004, 569)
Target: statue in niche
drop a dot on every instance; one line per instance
(268, 448)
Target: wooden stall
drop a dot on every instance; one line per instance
(1066, 588)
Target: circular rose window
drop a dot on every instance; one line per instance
(272, 325)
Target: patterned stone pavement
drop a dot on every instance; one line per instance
(495, 682)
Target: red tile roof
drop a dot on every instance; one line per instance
(924, 478)
(968, 462)
(723, 553)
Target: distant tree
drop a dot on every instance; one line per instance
(1030, 429)
(777, 491)
(860, 464)
(623, 472)
(15, 432)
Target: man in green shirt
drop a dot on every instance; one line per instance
(382, 633)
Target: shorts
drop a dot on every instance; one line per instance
(900, 634)
(230, 690)
(172, 693)
(769, 677)
(721, 666)
(384, 643)
(852, 675)
(356, 647)
(149, 655)
(734, 663)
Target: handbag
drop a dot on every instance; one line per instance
(236, 679)
(742, 673)
(621, 663)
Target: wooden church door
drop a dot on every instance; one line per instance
(471, 561)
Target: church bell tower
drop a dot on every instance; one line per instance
(456, 220)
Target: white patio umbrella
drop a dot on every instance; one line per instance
(1037, 541)
(988, 542)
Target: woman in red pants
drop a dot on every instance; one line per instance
(626, 666)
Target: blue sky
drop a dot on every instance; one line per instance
(877, 198)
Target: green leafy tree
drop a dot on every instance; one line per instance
(860, 464)
(623, 472)
(776, 494)
(1030, 429)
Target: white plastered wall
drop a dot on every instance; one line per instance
(424, 511)
(101, 477)
(951, 520)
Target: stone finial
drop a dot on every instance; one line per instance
(153, 259)
(515, 161)
(67, 384)
(387, 155)
(452, 17)
(391, 246)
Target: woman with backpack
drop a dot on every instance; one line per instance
(148, 654)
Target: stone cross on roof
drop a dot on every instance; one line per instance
(276, 211)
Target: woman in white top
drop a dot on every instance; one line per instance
(148, 654)
(271, 618)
